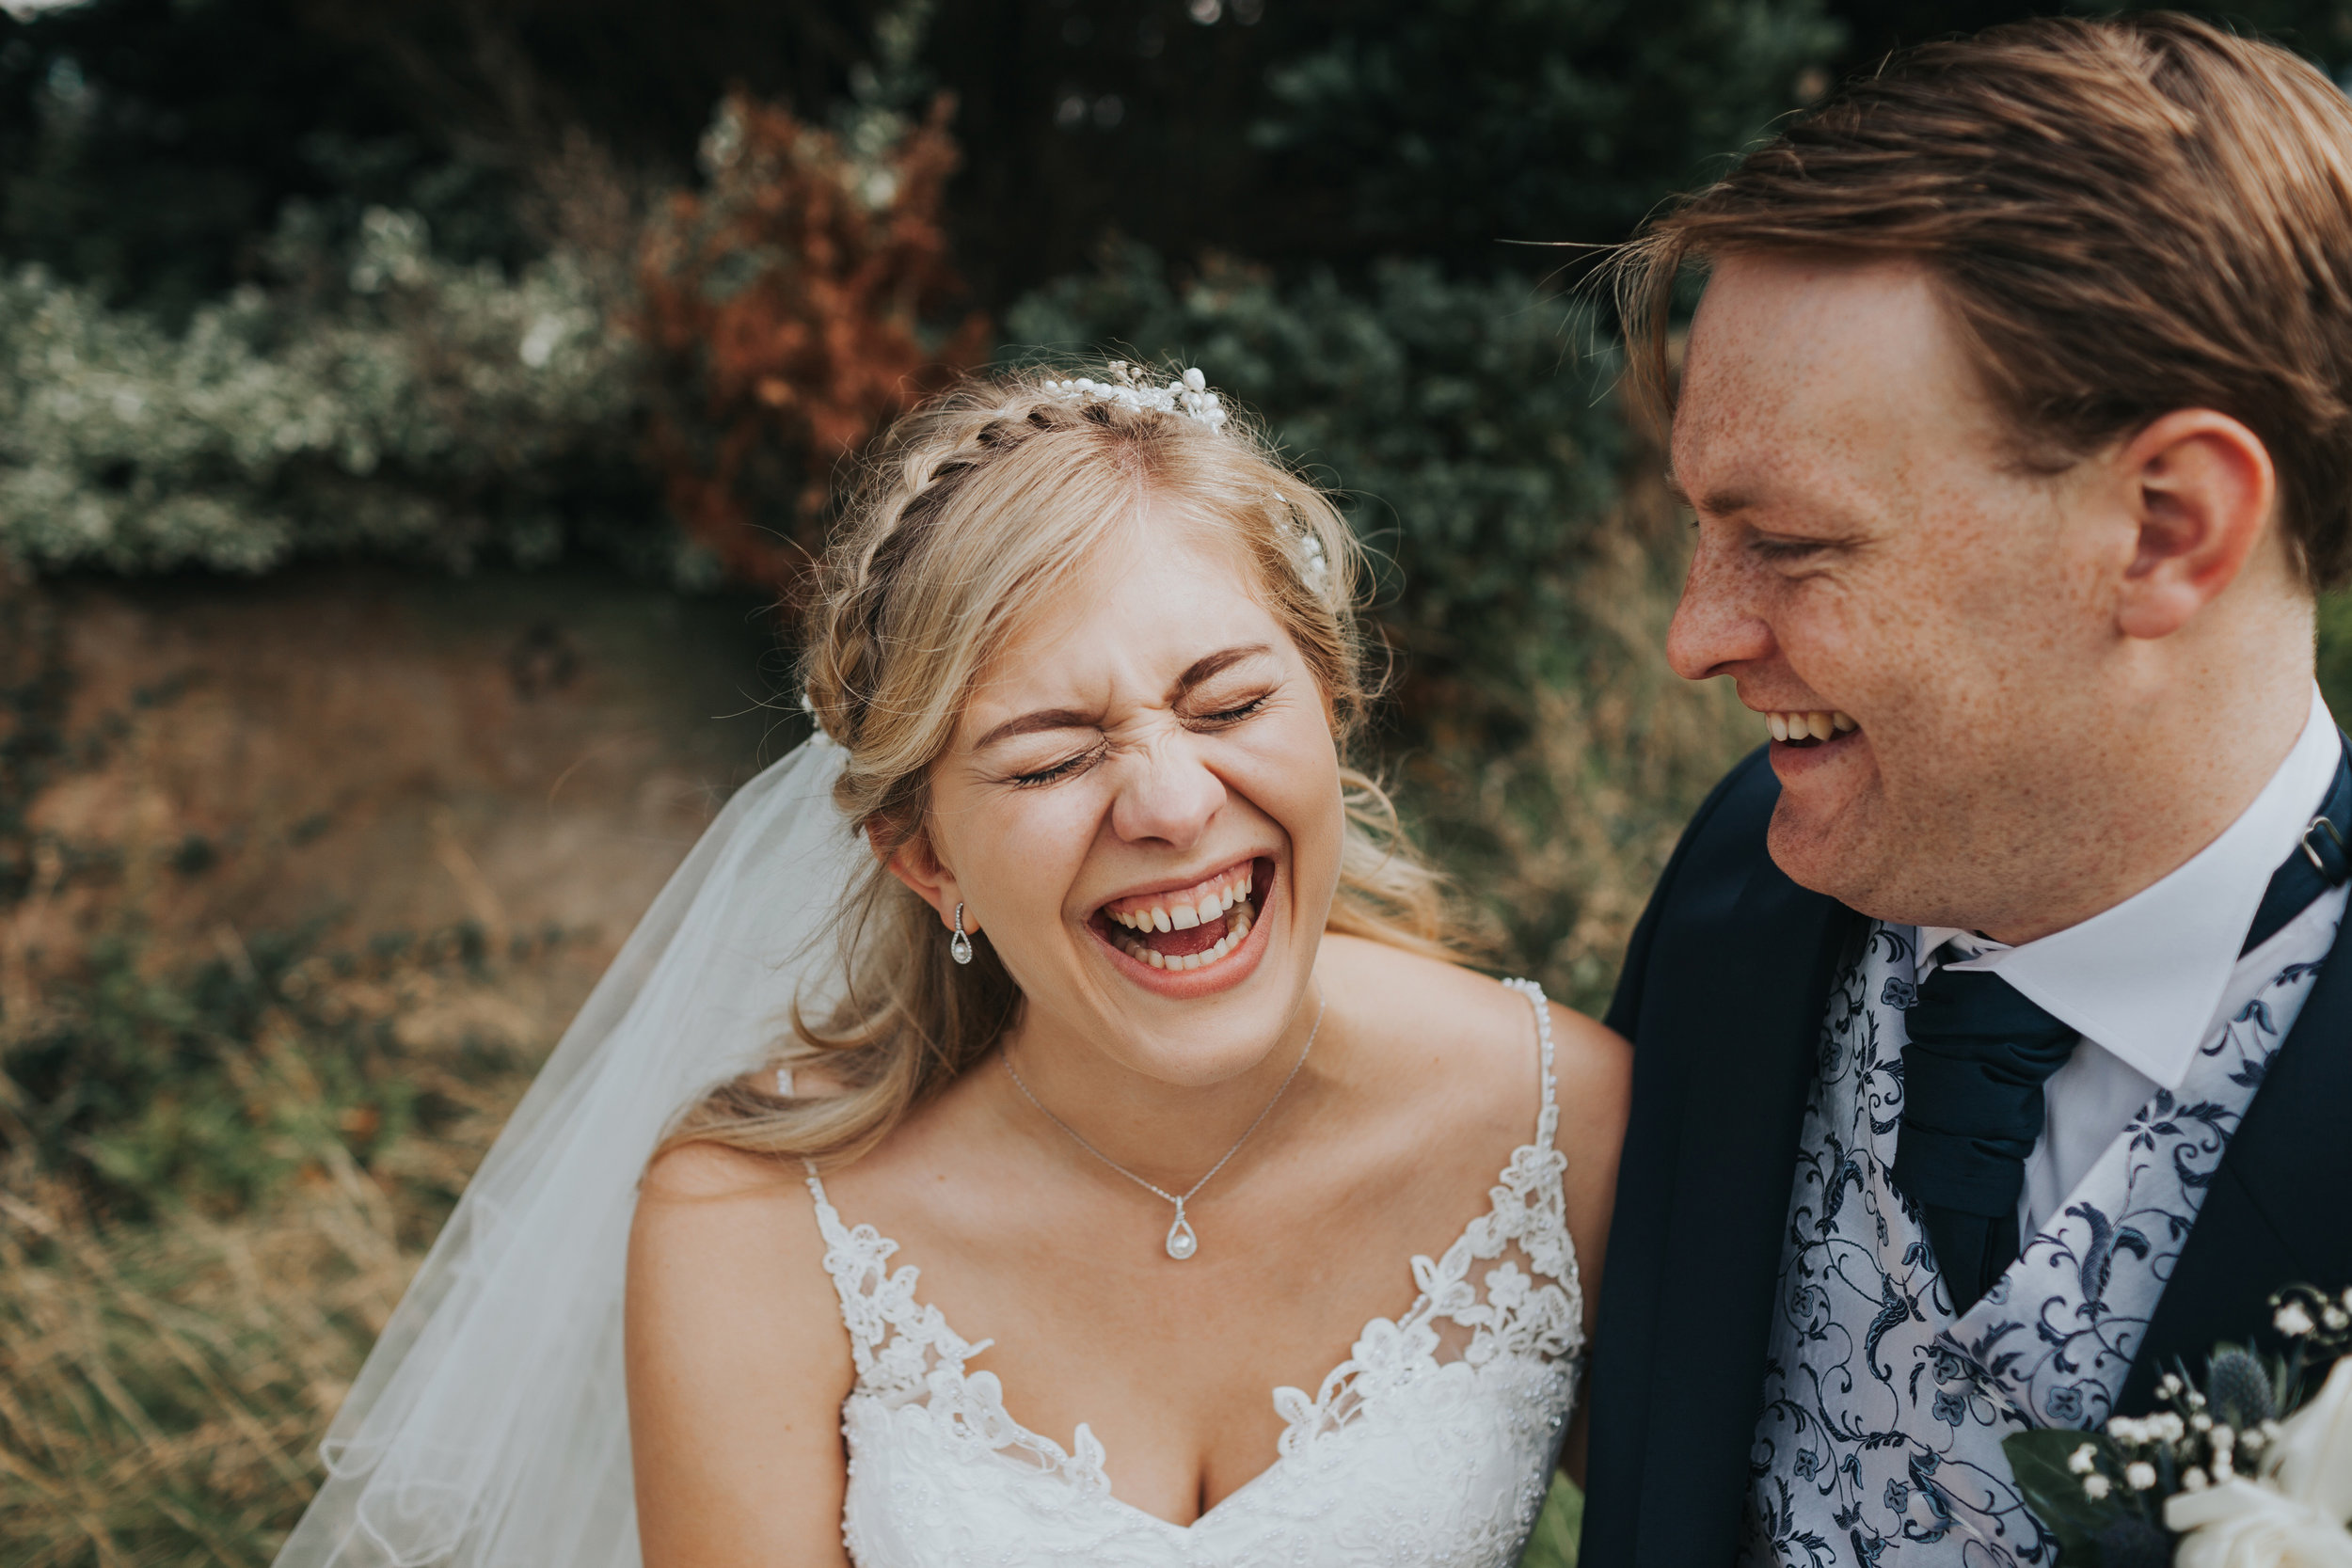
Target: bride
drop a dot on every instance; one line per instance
(1040, 1122)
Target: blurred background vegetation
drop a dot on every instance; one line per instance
(411, 415)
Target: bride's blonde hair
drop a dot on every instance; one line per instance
(974, 511)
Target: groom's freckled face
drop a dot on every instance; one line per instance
(1868, 547)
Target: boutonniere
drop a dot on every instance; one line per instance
(2249, 1466)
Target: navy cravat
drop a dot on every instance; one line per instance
(1973, 1072)
(1981, 1051)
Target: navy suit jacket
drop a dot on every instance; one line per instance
(1722, 995)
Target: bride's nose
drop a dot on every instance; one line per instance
(1168, 794)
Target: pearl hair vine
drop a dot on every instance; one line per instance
(1313, 569)
(1188, 395)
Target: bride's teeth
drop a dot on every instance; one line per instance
(1184, 917)
(1159, 919)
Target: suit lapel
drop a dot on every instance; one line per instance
(2276, 1213)
(1725, 1043)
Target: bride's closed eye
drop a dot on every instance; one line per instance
(1234, 713)
(1067, 769)
(1219, 711)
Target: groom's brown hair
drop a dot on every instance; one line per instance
(2126, 216)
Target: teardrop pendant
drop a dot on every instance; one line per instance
(1182, 1242)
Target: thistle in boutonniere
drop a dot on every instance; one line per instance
(2250, 1471)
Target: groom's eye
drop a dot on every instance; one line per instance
(1787, 549)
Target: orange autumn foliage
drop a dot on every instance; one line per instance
(793, 307)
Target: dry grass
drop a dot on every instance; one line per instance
(274, 1119)
(163, 1384)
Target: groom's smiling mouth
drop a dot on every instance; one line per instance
(1810, 728)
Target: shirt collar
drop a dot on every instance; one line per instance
(2142, 980)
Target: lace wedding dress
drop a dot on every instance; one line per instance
(1433, 1442)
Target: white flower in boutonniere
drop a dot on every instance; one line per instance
(2296, 1514)
(2242, 1470)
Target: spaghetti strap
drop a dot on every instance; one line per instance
(1548, 1118)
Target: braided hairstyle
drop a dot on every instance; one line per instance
(973, 512)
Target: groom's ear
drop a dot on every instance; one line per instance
(2199, 490)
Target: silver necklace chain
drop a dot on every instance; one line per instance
(1182, 1242)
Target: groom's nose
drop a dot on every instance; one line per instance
(1716, 626)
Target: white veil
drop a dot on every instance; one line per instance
(490, 1427)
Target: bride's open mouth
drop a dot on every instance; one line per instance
(1198, 927)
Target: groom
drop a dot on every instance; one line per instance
(1990, 1053)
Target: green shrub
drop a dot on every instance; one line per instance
(381, 400)
(1467, 423)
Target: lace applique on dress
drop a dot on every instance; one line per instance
(1433, 1442)
(1530, 1303)
(906, 1354)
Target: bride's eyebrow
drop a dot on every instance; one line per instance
(1206, 668)
(1034, 723)
(1209, 666)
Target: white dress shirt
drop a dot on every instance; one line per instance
(2142, 982)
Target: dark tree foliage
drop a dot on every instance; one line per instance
(145, 146)
(1330, 133)
(148, 146)
(150, 143)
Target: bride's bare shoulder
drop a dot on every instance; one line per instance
(1452, 1036)
(737, 1362)
(720, 1232)
(711, 1172)
(1425, 1001)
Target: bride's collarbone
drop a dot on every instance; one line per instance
(1305, 1239)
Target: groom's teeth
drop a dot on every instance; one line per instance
(1809, 726)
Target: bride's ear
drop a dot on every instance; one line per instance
(916, 863)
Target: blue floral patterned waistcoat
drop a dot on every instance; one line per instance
(1883, 1416)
